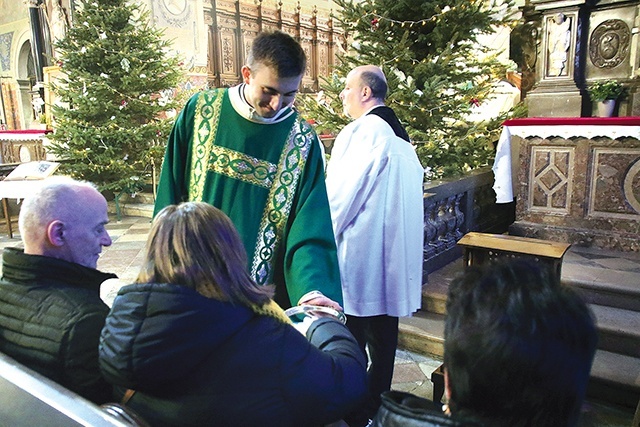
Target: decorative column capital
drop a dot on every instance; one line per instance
(32, 3)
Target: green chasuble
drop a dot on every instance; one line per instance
(268, 177)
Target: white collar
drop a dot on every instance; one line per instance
(242, 107)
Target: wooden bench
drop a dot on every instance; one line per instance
(30, 399)
(482, 248)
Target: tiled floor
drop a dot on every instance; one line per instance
(412, 371)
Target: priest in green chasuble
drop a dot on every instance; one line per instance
(247, 151)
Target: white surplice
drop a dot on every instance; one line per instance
(374, 183)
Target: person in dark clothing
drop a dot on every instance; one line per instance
(518, 350)
(198, 343)
(51, 314)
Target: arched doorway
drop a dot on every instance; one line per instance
(26, 79)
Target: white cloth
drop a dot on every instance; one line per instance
(502, 183)
(374, 184)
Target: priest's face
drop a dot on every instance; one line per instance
(351, 95)
(266, 92)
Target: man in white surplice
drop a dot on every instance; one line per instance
(374, 183)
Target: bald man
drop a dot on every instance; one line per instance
(374, 184)
(51, 314)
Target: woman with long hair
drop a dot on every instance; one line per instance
(195, 342)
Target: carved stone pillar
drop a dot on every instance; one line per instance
(558, 89)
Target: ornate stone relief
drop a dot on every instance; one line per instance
(631, 186)
(609, 43)
(616, 175)
(175, 13)
(558, 44)
(551, 179)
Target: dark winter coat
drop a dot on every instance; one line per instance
(196, 361)
(51, 316)
(400, 409)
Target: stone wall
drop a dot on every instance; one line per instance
(583, 191)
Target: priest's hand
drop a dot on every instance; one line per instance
(317, 298)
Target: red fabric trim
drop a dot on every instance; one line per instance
(26, 131)
(574, 121)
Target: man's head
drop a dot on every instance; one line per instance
(518, 346)
(274, 70)
(65, 219)
(365, 87)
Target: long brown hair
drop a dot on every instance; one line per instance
(196, 245)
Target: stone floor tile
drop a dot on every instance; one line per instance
(407, 372)
(621, 264)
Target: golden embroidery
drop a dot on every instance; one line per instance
(235, 164)
(205, 129)
(281, 180)
(294, 155)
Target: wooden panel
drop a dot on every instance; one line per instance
(237, 24)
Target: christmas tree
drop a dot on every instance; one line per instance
(118, 83)
(436, 70)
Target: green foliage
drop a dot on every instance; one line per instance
(436, 71)
(118, 83)
(605, 89)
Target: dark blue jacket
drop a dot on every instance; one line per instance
(196, 361)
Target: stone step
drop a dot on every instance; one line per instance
(434, 292)
(615, 378)
(143, 198)
(617, 315)
(140, 205)
(597, 285)
(618, 330)
(603, 277)
(624, 294)
(422, 333)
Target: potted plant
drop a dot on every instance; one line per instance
(605, 93)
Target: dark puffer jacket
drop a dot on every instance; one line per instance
(51, 316)
(195, 361)
(400, 409)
